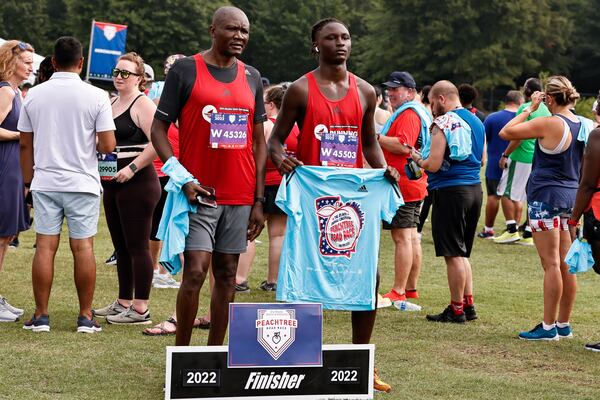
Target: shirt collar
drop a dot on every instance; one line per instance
(65, 75)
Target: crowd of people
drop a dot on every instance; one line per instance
(193, 164)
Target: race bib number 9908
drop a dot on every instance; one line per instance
(228, 131)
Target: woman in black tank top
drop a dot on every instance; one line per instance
(131, 194)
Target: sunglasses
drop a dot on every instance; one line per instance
(124, 73)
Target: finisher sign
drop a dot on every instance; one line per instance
(202, 373)
(107, 44)
(275, 335)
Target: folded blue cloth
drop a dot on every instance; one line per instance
(458, 136)
(579, 258)
(175, 223)
(587, 125)
(423, 114)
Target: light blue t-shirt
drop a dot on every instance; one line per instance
(331, 243)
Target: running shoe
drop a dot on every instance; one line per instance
(14, 244)
(447, 316)
(394, 296)
(564, 333)
(470, 313)
(412, 294)
(112, 260)
(507, 237)
(39, 324)
(164, 281)
(593, 347)
(242, 287)
(526, 241)
(12, 309)
(6, 315)
(130, 317)
(378, 384)
(486, 234)
(404, 305)
(113, 308)
(539, 333)
(86, 325)
(268, 287)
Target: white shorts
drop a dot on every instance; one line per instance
(513, 182)
(80, 209)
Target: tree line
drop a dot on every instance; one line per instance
(491, 44)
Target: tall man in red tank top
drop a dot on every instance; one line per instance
(218, 101)
(327, 96)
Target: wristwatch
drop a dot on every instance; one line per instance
(133, 168)
(504, 155)
(261, 200)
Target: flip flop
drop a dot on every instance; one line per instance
(160, 329)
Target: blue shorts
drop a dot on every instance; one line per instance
(545, 217)
(80, 209)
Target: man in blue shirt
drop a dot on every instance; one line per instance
(452, 159)
(495, 148)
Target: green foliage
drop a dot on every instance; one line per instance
(584, 107)
(461, 40)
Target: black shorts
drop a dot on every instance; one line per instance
(270, 195)
(491, 186)
(407, 216)
(591, 227)
(159, 208)
(454, 219)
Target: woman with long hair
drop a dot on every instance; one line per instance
(551, 192)
(16, 64)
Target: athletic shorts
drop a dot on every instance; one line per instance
(223, 229)
(545, 217)
(491, 186)
(407, 216)
(514, 180)
(591, 227)
(454, 218)
(80, 209)
(270, 195)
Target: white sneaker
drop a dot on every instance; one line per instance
(404, 305)
(6, 315)
(383, 302)
(165, 281)
(12, 309)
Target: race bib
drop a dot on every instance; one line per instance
(107, 165)
(339, 148)
(228, 131)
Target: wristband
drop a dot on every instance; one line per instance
(504, 155)
(571, 222)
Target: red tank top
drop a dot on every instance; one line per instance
(330, 133)
(272, 176)
(173, 135)
(595, 202)
(215, 135)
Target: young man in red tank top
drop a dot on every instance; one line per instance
(218, 101)
(331, 94)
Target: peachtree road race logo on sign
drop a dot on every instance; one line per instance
(276, 330)
(109, 32)
(340, 225)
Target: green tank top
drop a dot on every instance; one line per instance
(524, 153)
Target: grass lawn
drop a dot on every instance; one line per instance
(421, 360)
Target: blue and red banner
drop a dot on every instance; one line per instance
(107, 44)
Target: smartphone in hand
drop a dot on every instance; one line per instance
(209, 200)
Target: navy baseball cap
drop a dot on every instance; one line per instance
(400, 78)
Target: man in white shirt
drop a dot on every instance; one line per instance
(63, 121)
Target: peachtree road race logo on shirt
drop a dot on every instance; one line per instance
(207, 112)
(340, 225)
(276, 330)
(320, 129)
